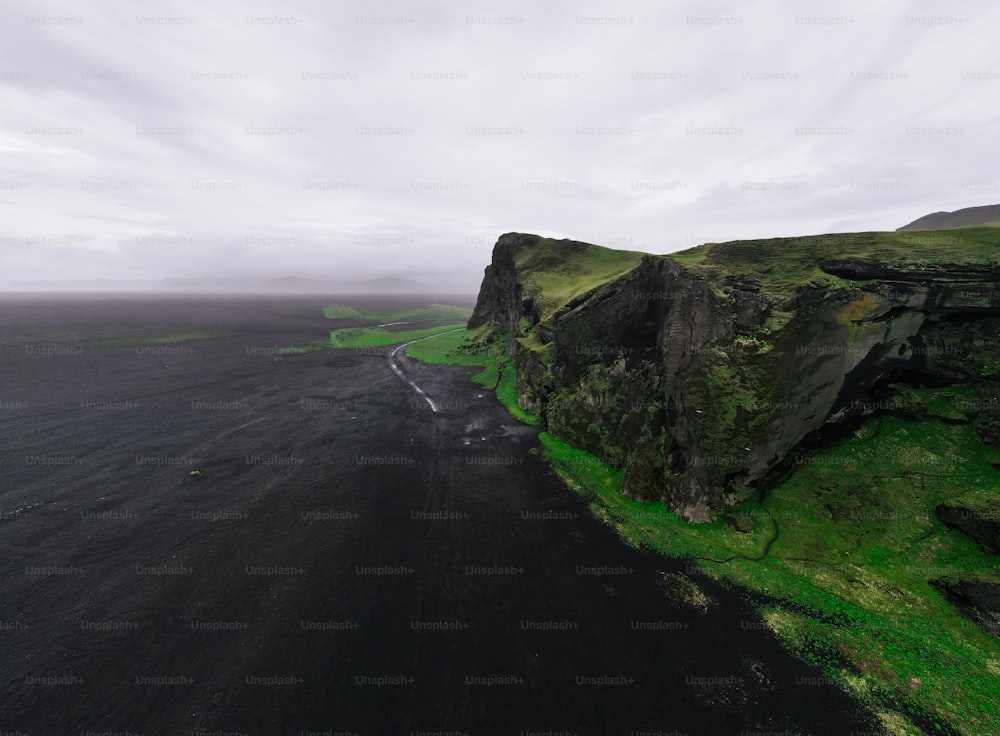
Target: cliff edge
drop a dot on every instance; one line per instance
(708, 373)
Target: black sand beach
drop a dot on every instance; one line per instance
(345, 560)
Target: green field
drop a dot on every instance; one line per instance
(371, 337)
(455, 348)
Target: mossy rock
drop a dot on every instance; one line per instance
(740, 522)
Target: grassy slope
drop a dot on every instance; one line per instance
(786, 263)
(555, 271)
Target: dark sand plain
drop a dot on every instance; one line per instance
(345, 560)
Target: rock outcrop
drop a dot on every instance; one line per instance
(978, 600)
(707, 373)
(978, 521)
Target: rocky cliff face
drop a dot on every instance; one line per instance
(707, 374)
(500, 296)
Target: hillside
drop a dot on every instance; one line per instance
(988, 215)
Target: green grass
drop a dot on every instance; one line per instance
(783, 264)
(488, 377)
(452, 349)
(477, 348)
(462, 348)
(848, 575)
(553, 272)
(370, 337)
(533, 342)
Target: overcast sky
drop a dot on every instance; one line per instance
(351, 140)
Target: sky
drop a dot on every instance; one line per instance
(345, 140)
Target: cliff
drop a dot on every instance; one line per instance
(709, 373)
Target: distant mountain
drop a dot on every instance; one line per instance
(282, 285)
(383, 285)
(988, 215)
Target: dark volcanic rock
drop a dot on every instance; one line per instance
(983, 525)
(740, 522)
(978, 600)
(499, 302)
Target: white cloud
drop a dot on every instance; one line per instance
(299, 138)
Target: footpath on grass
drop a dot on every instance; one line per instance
(394, 364)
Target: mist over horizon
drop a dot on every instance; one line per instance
(388, 286)
(261, 141)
